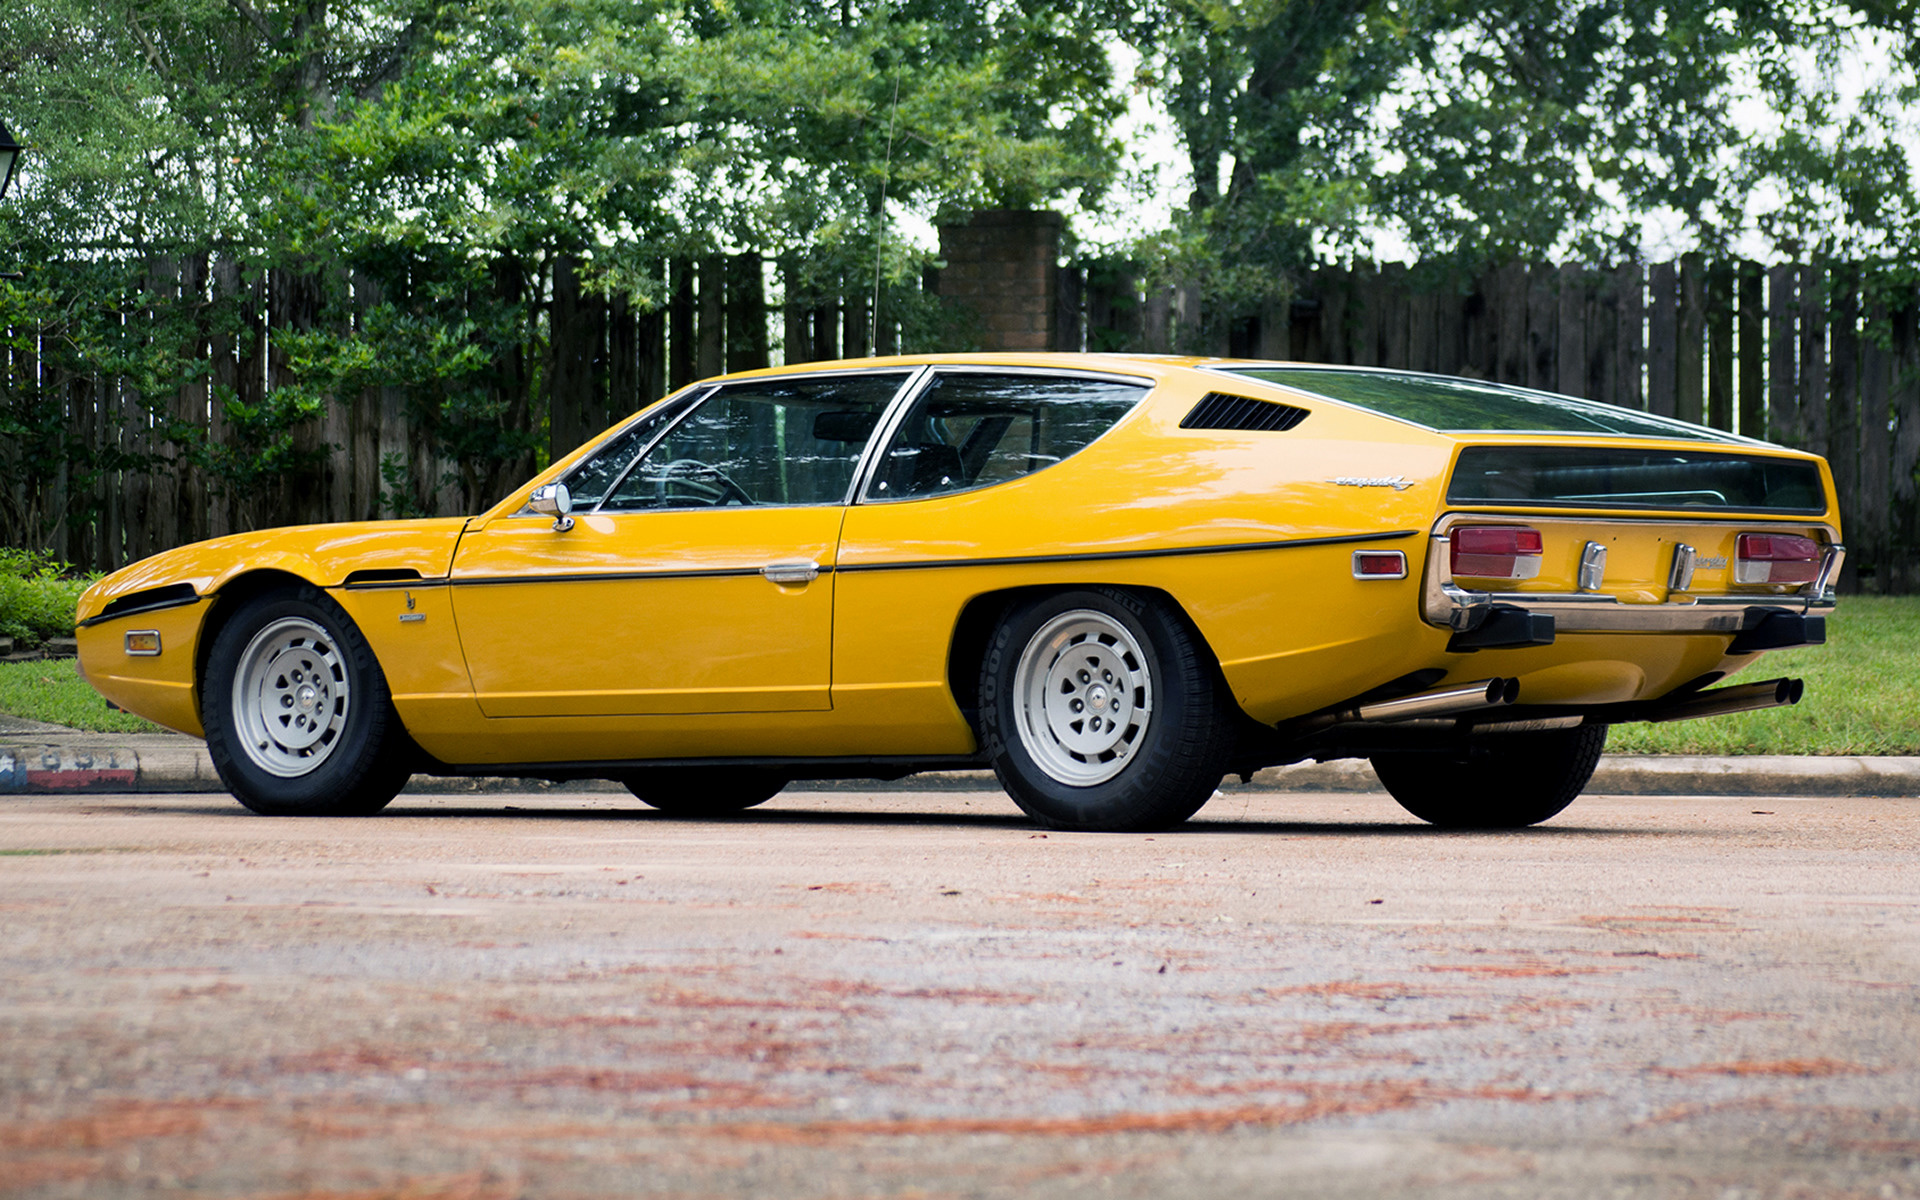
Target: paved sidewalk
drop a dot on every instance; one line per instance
(37, 758)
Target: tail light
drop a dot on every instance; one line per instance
(1776, 558)
(1496, 551)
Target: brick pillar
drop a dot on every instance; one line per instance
(1001, 265)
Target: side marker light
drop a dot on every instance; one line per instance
(1379, 564)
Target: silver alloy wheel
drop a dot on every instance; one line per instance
(1083, 697)
(290, 697)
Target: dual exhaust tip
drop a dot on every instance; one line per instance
(1441, 702)
(1462, 698)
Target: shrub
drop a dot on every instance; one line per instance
(38, 594)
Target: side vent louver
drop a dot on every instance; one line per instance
(1218, 410)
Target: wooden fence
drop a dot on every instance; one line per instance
(1820, 357)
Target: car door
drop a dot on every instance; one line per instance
(697, 574)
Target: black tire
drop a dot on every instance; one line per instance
(704, 791)
(359, 755)
(1160, 746)
(1507, 781)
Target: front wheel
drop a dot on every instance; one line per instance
(1506, 781)
(298, 718)
(704, 791)
(1101, 710)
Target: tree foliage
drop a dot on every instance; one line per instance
(409, 172)
(1492, 129)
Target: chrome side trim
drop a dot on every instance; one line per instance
(883, 431)
(1119, 555)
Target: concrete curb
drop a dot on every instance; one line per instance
(49, 760)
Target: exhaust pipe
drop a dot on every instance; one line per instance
(1746, 697)
(1442, 702)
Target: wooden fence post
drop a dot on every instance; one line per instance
(1876, 446)
(1812, 431)
(1783, 354)
(680, 352)
(1069, 328)
(1570, 332)
(1843, 405)
(1751, 336)
(1689, 377)
(576, 384)
(623, 357)
(1543, 311)
(1663, 339)
(1336, 305)
(711, 332)
(1630, 352)
(1719, 317)
(1904, 534)
(1392, 295)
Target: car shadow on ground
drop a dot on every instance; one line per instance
(1390, 825)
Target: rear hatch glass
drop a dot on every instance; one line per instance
(1601, 477)
(1451, 404)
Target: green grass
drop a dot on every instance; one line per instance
(52, 690)
(1863, 694)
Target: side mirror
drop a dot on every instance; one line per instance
(553, 500)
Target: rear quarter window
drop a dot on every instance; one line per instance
(972, 430)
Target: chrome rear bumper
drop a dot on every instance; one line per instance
(1449, 606)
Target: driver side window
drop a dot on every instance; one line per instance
(764, 442)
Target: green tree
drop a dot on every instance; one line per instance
(1494, 129)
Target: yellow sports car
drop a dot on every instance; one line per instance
(1114, 579)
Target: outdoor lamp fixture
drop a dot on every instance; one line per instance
(9, 158)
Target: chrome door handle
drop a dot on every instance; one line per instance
(797, 571)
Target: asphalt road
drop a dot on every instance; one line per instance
(918, 994)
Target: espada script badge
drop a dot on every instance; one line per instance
(1398, 483)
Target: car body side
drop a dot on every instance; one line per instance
(1250, 534)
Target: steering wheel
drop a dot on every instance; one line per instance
(689, 474)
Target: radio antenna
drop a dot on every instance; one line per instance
(880, 222)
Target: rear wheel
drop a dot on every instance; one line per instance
(1508, 781)
(704, 791)
(1100, 710)
(297, 713)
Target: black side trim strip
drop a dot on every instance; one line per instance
(848, 767)
(946, 563)
(1112, 555)
(173, 595)
(613, 576)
